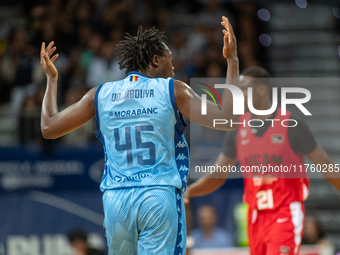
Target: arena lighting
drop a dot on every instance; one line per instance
(263, 14)
(336, 12)
(265, 40)
(301, 3)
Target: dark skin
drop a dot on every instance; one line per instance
(55, 124)
(211, 182)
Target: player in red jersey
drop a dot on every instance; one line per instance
(276, 210)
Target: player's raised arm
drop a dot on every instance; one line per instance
(189, 103)
(332, 175)
(53, 123)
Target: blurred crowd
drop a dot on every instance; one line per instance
(86, 33)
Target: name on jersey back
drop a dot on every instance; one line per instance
(133, 94)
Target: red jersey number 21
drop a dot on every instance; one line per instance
(265, 199)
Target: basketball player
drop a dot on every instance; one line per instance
(276, 210)
(139, 121)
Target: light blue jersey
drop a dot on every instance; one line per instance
(142, 131)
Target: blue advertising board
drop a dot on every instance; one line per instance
(23, 168)
(44, 197)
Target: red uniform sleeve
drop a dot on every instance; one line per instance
(300, 137)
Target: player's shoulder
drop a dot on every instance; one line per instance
(298, 120)
(180, 85)
(156, 83)
(92, 92)
(294, 115)
(166, 82)
(181, 89)
(300, 136)
(166, 79)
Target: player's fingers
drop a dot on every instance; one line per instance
(226, 38)
(224, 22)
(42, 53)
(42, 48)
(49, 47)
(50, 53)
(54, 58)
(228, 27)
(46, 58)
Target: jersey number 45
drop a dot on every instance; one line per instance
(138, 144)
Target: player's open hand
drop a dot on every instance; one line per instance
(230, 46)
(47, 61)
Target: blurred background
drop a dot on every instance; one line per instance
(49, 188)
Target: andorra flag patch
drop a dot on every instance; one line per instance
(134, 78)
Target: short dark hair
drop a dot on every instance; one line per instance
(77, 234)
(135, 53)
(260, 74)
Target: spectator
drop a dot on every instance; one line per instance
(104, 67)
(91, 50)
(314, 234)
(249, 27)
(83, 135)
(208, 235)
(17, 68)
(86, 33)
(78, 241)
(179, 49)
(213, 9)
(29, 121)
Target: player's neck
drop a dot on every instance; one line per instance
(265, 105)
(148, 74)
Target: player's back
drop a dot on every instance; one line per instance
(136, 121)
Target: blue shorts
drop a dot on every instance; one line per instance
(145, 220)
